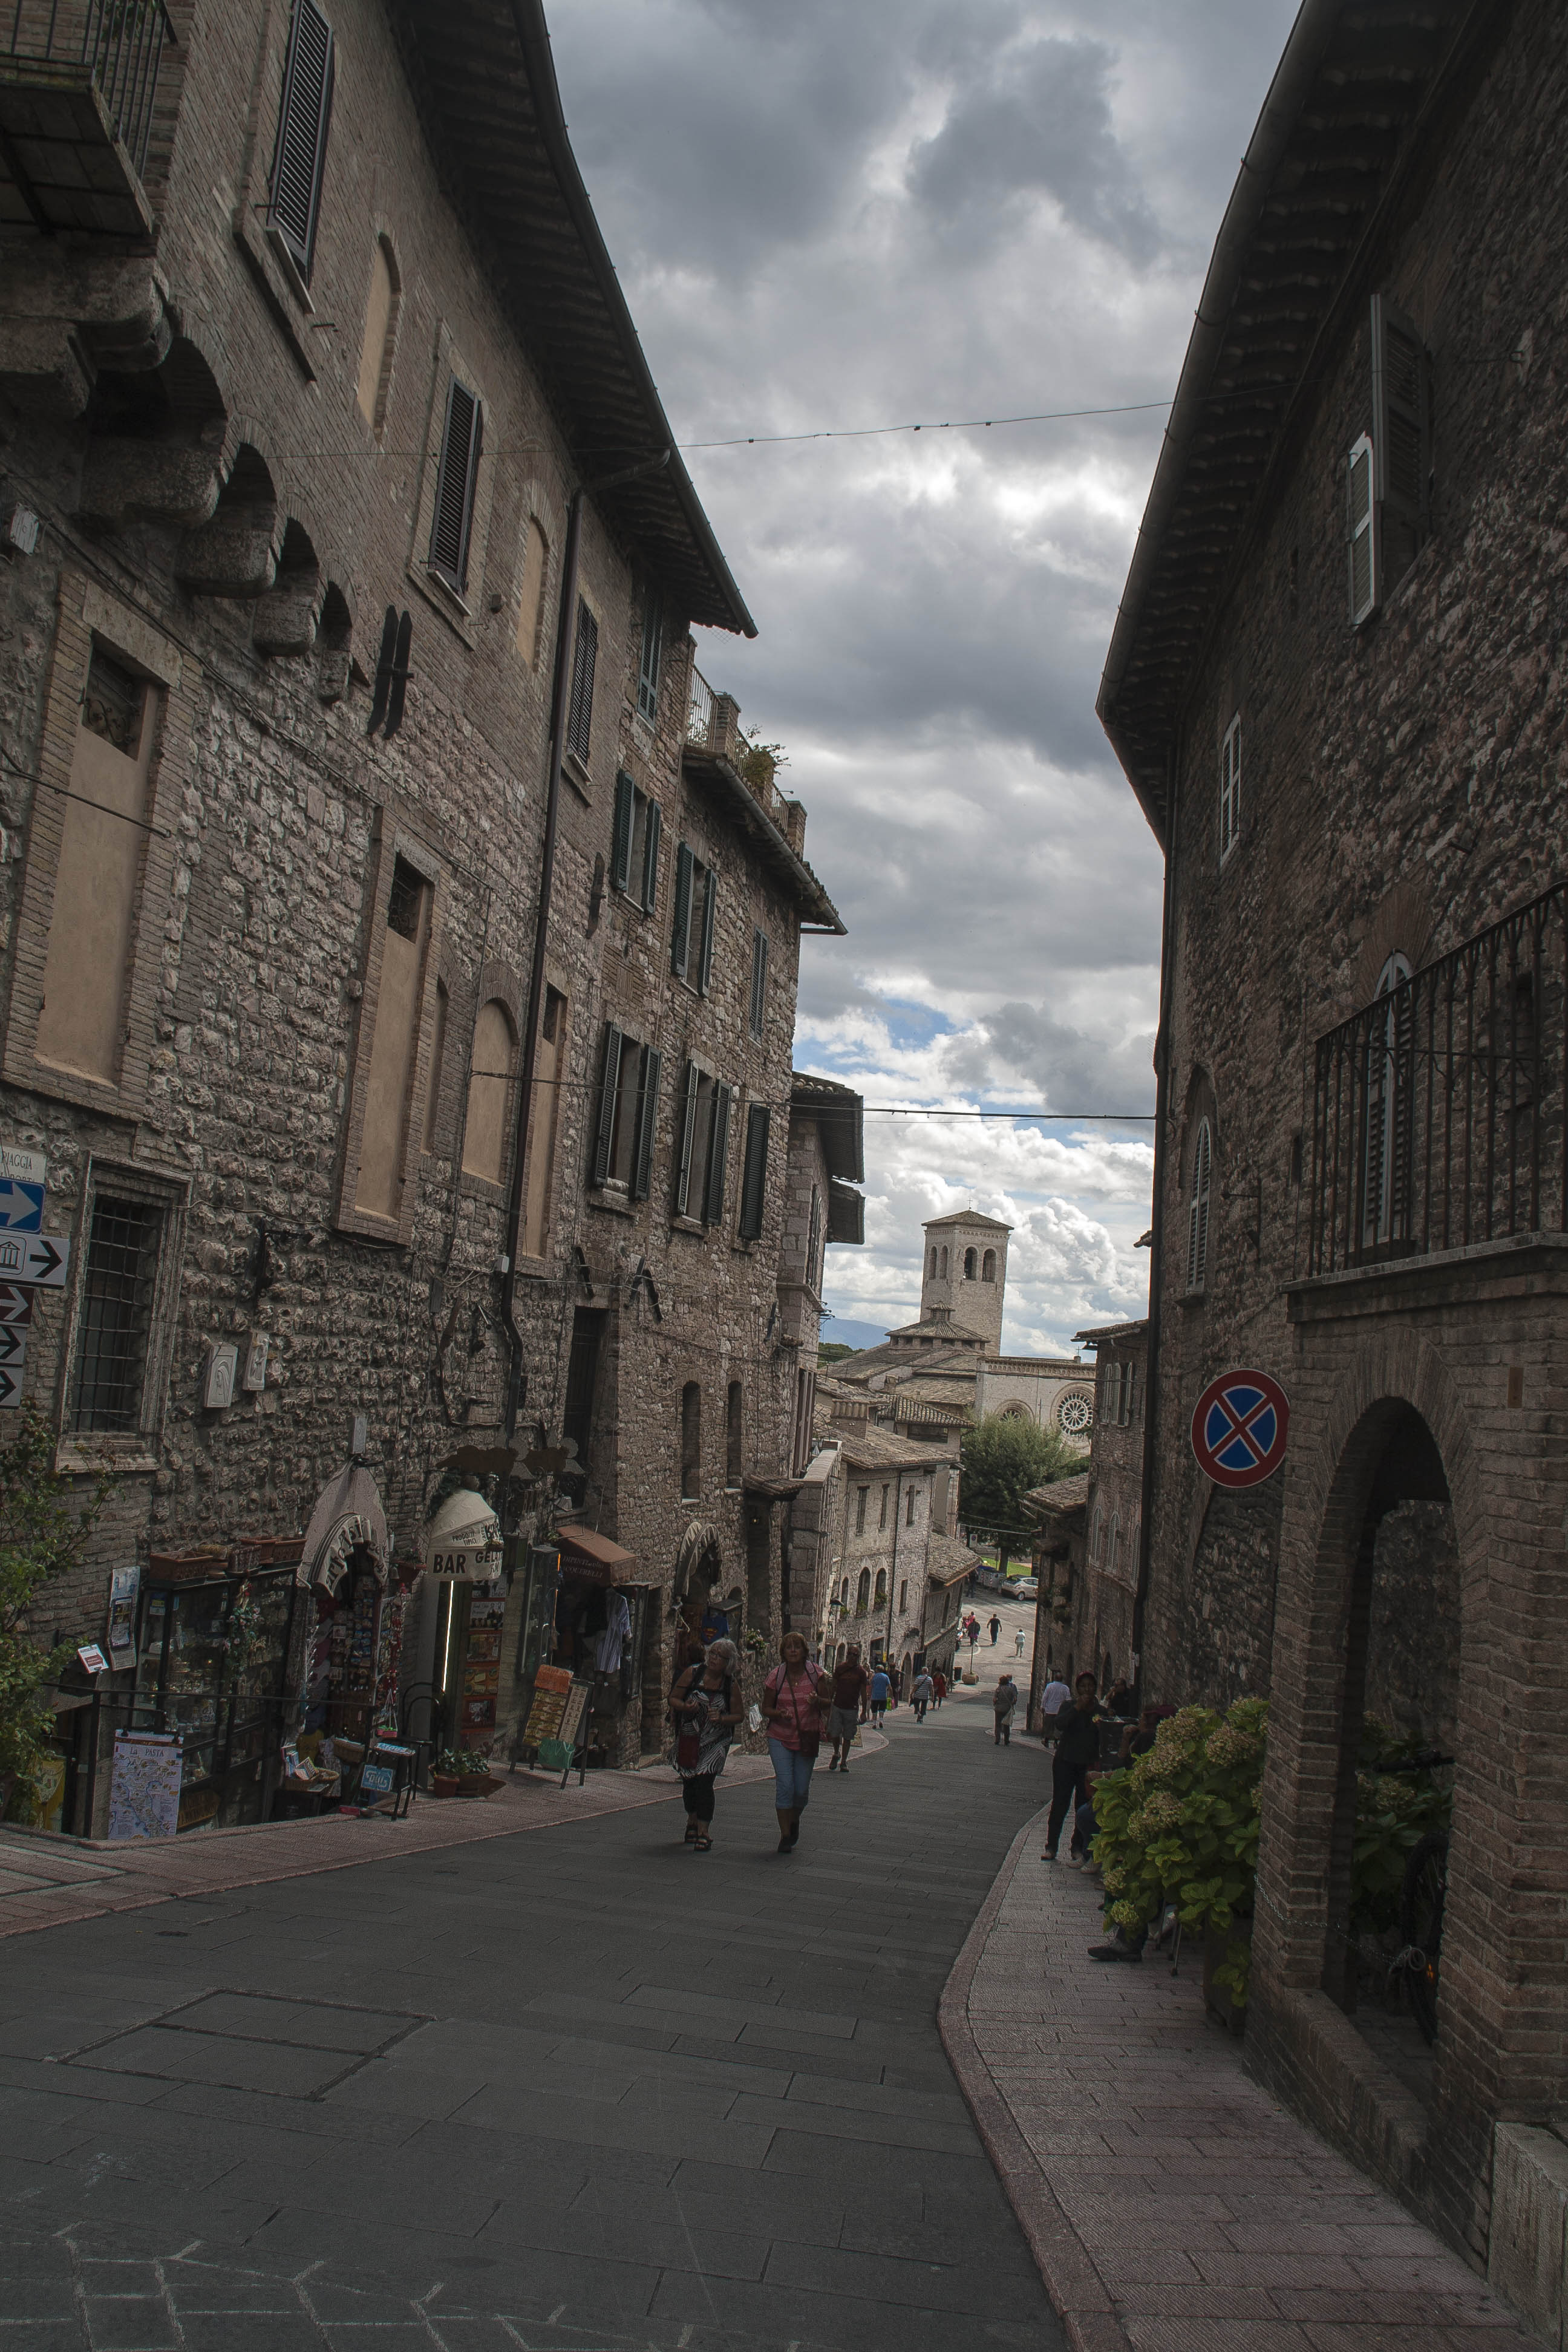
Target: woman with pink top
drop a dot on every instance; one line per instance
(793, 1700)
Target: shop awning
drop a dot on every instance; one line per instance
(463, 1539)
(585, 1553)
(348, 1518)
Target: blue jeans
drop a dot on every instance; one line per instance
(791, 1776)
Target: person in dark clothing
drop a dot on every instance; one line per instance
(994, 1625)
(1076, 1748)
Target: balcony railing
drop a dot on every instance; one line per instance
(700, 711)
(1438, 1114)
(60, 56)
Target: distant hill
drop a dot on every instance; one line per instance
(838, 1331)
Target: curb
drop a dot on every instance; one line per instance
(1082, 2300)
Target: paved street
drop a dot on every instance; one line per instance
(567, 2088)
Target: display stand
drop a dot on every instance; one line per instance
(388, 1777)
(572, 1734)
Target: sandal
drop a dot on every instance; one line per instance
(704, 1845)
(693, 1833)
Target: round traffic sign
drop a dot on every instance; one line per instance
(1239, 1426)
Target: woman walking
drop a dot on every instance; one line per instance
(793, 1698)
(704, 1705)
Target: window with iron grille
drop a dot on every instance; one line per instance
(116, 1314)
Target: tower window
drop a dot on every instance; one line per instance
(969, 1266)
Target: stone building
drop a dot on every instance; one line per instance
(400, 942)
(1338, 691)
(871, 1508)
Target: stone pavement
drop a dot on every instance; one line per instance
(572, 2093)
(1171, 2204)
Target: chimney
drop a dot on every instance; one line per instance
(724, 728)
(793, 814)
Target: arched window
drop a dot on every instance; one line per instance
(690, 1439)
(933, 1261)
(944, 1264)
(1115, 1542)
(380, 335)
(531, 603)
(969, 1266)
(1198, 1209)
(1097, 1536)
(862, 1594)
(489, 1093)
(988, 1266)
(1389, 1092)
(844, 1592)
(881, 1587)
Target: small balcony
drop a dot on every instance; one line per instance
(1438, 1111)
(79, 113)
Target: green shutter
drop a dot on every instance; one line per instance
(647, 1122)
(603, 1142)
(680, 943)
(462, 440)
(753, 1185)
(302, 121)
(650, 858)
(621, 832)
(688, 1135)
(710, 901)
(580, 705)
(719, 1153)
(759, 981)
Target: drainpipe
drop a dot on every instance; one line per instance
(566, 644)
(893, 1571)
(1157, 1230)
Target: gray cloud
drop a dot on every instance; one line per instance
(1040, 125)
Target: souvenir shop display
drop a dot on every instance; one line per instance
(212, 1667)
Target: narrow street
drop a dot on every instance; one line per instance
(574, 2087)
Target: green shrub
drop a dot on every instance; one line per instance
(43, 1528)
(1393, 1811)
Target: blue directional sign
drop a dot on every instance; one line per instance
(21, 1207)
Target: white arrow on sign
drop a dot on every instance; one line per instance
(10, 1389)
(12, 1342)
(16, 1305)
(21, 1207)
(34, 1259)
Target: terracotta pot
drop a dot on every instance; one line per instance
(443, 1784)
(478, 1784)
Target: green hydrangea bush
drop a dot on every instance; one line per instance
(1180, 1825)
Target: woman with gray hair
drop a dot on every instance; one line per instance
(706, 1708)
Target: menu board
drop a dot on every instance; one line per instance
(551, 1687)
(482, 1672)
(144, 1785)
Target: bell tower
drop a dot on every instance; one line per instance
(965, 1271)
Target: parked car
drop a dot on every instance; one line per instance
(1025, 1588)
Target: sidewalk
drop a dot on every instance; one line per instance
(49, 1881)
(1171, 2204)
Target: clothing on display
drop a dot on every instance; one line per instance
(613, 1639)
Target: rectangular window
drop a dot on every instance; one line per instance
(695, 901)
(910, 1513)
(705, 1108)
(861, 1493)
(544, 1125)
(302, 122)
(580, 702)
(633, 843)
(690, 1441)
(652, 651)
(462, 438)
(116, 1315)
(581, 1374)
(883, 1519)
(903, 1594)
(759, 981)
(628, 1113)
(395, 1046)
(1230, 789)
(734, 1435)
(754, 1179)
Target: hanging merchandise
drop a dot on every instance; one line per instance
(613, 1639)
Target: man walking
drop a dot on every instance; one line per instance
(881, 1684)
(1019, 1642)
(851, 1684)
(1055, 1696)
(922, 1693)
(1076, 1748)
(937, 1688)
(1003, 1700)
(994, 1626)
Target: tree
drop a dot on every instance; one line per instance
(1003, 1457)
(43, 1530)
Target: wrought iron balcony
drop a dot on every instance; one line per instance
(79, 100)
(1438, 1113)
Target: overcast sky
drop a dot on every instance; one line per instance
(904, 210)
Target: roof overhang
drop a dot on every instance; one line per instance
(840, 1116)
(793, 876)
(586, 1554)
(482, 77)
(1340, 128)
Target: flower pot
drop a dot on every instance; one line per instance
(478, 1784)
(443, 1784)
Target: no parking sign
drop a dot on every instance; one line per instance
(1239, 1426)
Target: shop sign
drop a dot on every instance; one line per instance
(18, 1165)
(144, 1785)
(480, 1564)
(91, 1659)
(122, 1585)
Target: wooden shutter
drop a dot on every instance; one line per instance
(302, 121)
(461, 442)
(681, 938)
(688, 1135)
(710, 902)
(580, 708)
(753, 1182)
(1230, 790)
(621, 832)
(1361, 526)
(1198, 1213)
(650, 858)
(759, 980)
(647, 1122)
(603, 1142)
(718, 1153)
(1399, 439)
